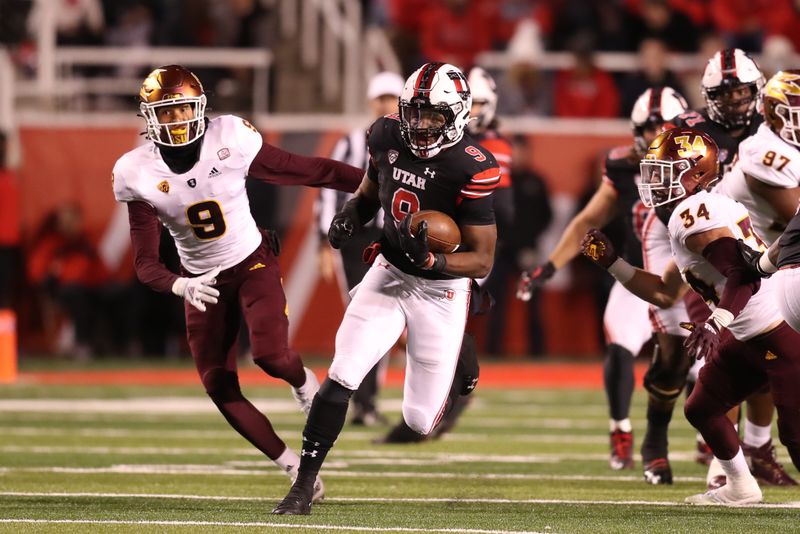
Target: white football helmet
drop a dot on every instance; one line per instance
(434, 109)
(652, 109)
(484, 92)
(727, 71)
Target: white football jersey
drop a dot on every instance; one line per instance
(205, 209)
(768, 158)
(706, 211)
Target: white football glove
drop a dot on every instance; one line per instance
(198, 290)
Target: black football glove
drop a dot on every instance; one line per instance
(530, 281)
(703, 340)
(752, 258)
(415, 246)
(273, 241)
(342, 228)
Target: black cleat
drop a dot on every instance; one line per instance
(297, 501)
(658, 471)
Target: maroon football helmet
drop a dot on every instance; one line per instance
(679, 162)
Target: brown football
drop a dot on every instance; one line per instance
(443, 233)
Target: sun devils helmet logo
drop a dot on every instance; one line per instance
(172, 85)
(434, 109)
(781, 99)
(680, 162)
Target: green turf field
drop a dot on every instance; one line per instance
(161, 459)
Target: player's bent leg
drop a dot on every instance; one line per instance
(436, 320)
(664, 382)
(222, 386)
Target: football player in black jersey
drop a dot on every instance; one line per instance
(731, 85)
(419, 160)
(625, 320)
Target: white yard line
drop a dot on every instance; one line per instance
(259, 524)
(206, 470)
(789, 505)
(436, 458)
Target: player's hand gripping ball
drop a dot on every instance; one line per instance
(444, 236)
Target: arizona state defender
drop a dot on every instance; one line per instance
(190, 178)
(421, 160)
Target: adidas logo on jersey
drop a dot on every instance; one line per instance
(214, 173)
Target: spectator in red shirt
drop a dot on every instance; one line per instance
(455, 31)
(744, 23)
(9, 227)
(64, 265)
(584, 90)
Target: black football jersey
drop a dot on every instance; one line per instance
(621, 171)
(457, 181)
(728, 145)
(789, 253)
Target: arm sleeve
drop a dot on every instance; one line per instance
(146, 236)
(740, 283)
(279, 167)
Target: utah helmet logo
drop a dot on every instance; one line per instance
(163, 187)
(191, 182)
(393, 155)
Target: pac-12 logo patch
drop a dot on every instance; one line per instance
(223, 153)
(393, 155)
(449, 294)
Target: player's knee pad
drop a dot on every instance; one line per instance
(221, 385)
(335, 393)
(467, 368)
(667, 373)
(284, 365)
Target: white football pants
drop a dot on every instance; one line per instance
(385, 303)
(657, 254)
(787, 293)
(625, 320)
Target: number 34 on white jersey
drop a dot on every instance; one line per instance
(206, 209)
(706, 211)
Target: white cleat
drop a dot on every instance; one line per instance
(727, 496)
(304, 395)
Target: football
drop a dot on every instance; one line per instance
(444, 235)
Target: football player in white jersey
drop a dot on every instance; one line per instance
(745, 342)
(626, 317)
(190, 178)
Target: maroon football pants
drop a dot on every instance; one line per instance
(253, 290)
(740, 369)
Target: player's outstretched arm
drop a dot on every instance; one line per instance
(276, 166)
(662, 291)
(597, 213)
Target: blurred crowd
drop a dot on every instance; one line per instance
(93, 310)
(454, 31)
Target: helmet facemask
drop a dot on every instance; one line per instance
(175, 133)
(427, 128)
(661, 181)
(727, 108)
(790, 130)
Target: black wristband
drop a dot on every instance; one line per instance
(439, 263)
